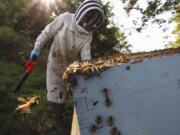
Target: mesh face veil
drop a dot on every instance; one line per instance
(89, 15)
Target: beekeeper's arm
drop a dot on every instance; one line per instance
(49, 32)
(86, 50)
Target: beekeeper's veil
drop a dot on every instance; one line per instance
(89, 15)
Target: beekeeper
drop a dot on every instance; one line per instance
(72, 34)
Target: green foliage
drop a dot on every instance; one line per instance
(11, 44)
(113, 37)
(151, 10)
(176, 43)
(11, 11)
(154, 8)
(21, 21)
(152, 13)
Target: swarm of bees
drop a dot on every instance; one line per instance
(91, 68)
(88, 69)
(26, 105)
(95, 67)
(85, 68)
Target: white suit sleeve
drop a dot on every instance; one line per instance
(49, 31)
(86, 50)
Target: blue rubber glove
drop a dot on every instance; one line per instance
(35, 53)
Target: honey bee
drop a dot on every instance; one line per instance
(105, 92)
(108, 102)
(86, 71)
(28, 105)
(102, 37)
(93, 129)
(98, 120)
(86, 64)
(114, 131)
(128, 67)
(110, 121)
(100, 62)
(95, 70)
(66, 75)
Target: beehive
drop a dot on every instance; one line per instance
(144, 97)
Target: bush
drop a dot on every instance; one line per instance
(12, 44)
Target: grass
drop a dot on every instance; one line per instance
(41, 120)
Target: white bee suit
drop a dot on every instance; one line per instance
(69, 40)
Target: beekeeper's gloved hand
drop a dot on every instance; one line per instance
(35, 54)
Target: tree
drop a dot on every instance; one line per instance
(108, 36)
(21, 21)
(152, 11)
(26, 19)
(12, 44)
(12, 41)
(176, 43)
